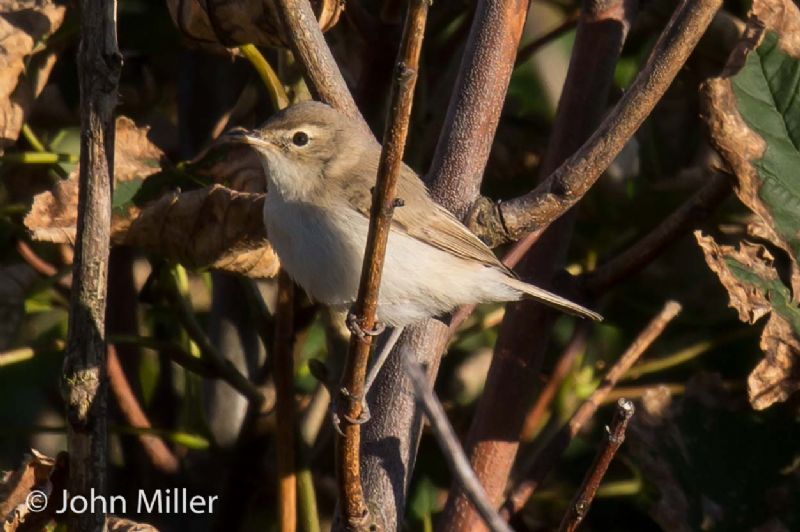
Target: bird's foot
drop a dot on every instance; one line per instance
(355, 325)
(345, 397)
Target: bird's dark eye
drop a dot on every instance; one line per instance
(300, 138)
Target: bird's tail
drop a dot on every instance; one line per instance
(548, 298)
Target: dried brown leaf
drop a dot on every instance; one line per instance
(237, 22)
(23, 25)
(213, 227)
(755, 290)
(16, 488)
(53, 216)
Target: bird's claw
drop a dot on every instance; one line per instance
(337, 418)
(355, 327)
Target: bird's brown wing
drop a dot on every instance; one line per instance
(422, 218)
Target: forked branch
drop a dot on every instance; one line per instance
(533, 212)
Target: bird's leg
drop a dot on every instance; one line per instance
(344, 393)
(381, 358)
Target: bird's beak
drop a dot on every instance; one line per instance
(242, 136)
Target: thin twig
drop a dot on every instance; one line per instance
(575, 346)
(84, 373)
(353, 508)
(694, 210)
(42, 266)
(284, 387)
(154, 447)
(532, 47)
(501, 222)
(579, 506)
(453, 453)
(555, 447)
(309, 46)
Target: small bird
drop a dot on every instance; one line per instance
(321, 169)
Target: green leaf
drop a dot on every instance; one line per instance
(767, 93)
(124, 193)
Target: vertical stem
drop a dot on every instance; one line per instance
(284, 390)
(353, 508)
(84, 381)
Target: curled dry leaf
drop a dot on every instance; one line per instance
(755, 290)
(38, 474)
(753, 115)
(24, 24)
(237, 22)
(212, 226)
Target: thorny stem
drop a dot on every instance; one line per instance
(615, 435)
(353, 508)
(536, 210)
(555, 447)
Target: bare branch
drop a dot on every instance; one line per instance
(451, 449)
(535, 211)
(575, 347)
(555, 447)
(579, 506)
(354, 513)
(84, 376)
(309, 46)
(221, 366)
(466, 139)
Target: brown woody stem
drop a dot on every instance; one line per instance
(84, 379)
(353, 508)
(309, 46)
(579, 506)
